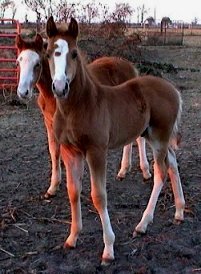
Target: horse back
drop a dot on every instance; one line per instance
(160, 94)
(141, 103)
(112, 70)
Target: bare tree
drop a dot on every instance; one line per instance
(141, 12)
(103, 12)
(115, 23)
(89, 12)
(65, 10)
(13, 8)
(122, 12)
(4, 5)
(42, 8)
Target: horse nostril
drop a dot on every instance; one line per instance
(53, 87)
(26, 93)
(67, 86)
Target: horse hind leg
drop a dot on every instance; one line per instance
(160, 172)
(144, 164)
(176, 185)
(126, 162)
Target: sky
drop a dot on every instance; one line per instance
(182, 10)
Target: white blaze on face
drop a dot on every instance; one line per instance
(27, 60)
(60, 59)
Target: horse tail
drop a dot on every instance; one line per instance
(176, 135)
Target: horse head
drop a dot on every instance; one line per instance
(62, 55)
(29, 62)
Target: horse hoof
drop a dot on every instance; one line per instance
(137, 234)
(67, 246)
(47, 196)
(146, 179)
(106, 262)
(120, 178)
(177, 221)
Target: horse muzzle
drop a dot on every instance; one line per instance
(24, 94)
(60, 88)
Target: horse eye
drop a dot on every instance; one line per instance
(74, 54)
(37, 65)
(57, 53)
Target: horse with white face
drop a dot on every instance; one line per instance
(34, 71)
(92, 118)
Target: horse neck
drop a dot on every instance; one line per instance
(44, 83)
(83, 88)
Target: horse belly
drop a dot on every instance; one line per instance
(128, 131)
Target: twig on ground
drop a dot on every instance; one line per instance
(7, 252)
(46, 219)
(93, 211)
(24, 230)
(30, 253)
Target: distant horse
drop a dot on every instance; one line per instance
(34, 70)
(91, 118)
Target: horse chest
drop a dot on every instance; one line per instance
(69, 132)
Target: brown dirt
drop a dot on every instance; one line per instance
(32, 230)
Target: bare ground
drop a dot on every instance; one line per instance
(32, 231)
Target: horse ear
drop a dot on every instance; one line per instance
(51, 28)
(39, 41)
(73, 29)
(19, 41)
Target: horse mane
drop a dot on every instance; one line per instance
(83, 60)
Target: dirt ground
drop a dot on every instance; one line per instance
(32, 231)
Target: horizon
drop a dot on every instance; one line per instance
(175, 10)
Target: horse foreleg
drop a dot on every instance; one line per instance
(144, 164)
(97, 166)
(176, 185)
(126, 162)
(54, 150)
(74, 165)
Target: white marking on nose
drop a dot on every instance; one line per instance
(60, 62)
